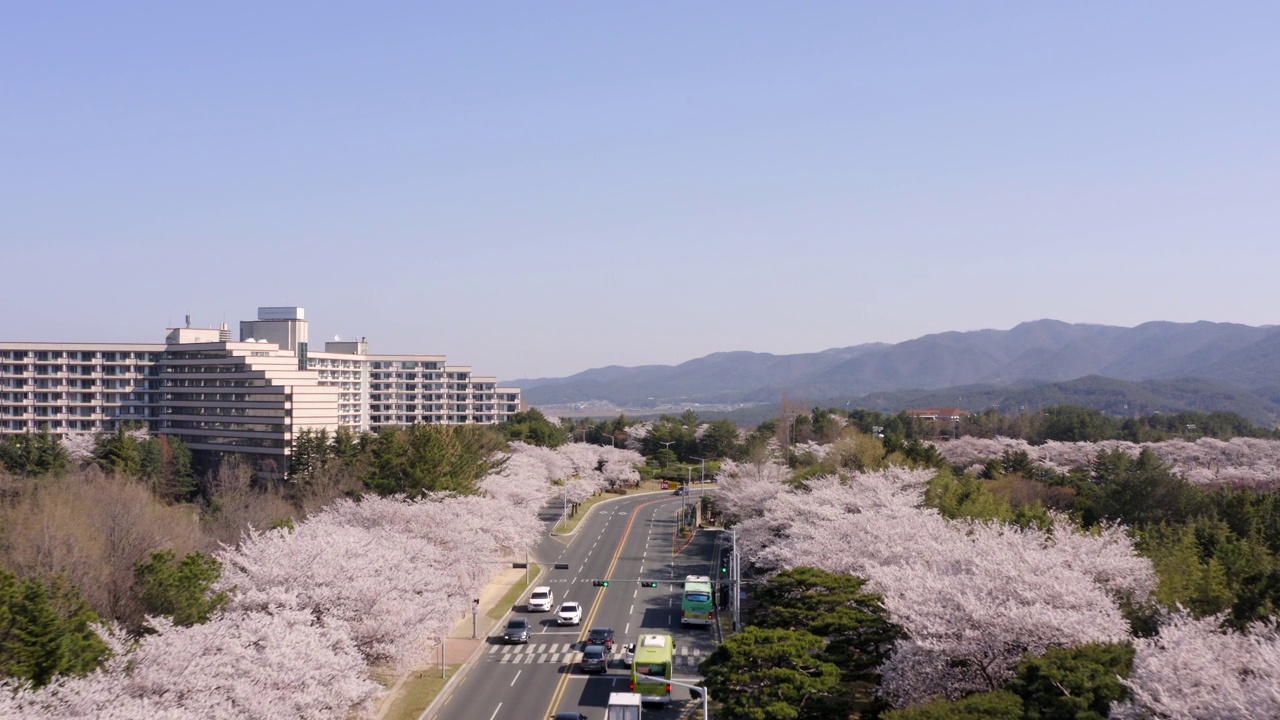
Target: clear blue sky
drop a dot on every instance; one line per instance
(535, 189)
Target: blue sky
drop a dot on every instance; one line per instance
(535, 189)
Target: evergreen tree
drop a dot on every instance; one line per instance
(119, 452)
(854, 624)
(997, 705)
(45, 631)
(1074, 683)
(767, 674)
(183, 591)
(33, 454)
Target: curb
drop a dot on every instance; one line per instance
(447, 691)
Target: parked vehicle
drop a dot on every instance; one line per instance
(628, 654)
(570, 613)
(516, 632)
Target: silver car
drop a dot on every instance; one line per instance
(595, 659)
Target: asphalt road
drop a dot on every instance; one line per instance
(624, 541)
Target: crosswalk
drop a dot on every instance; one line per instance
(571, 654)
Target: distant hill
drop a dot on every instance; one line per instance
(1155, 366)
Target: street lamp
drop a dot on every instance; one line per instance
(667, 445)
(611, 440)
(704, 469)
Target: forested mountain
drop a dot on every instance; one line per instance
(1165, 365)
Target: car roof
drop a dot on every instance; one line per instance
(601, 628)
(593, 648)
(542, 588)
(568, 603)
(518, 621)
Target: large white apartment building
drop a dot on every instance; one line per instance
(254, 395)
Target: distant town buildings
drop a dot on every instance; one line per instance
(253, 395)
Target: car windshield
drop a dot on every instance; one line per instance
(540, 595)
(598, 633)
(519, 624)
(569, 607)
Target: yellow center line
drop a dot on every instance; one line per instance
(595, 606)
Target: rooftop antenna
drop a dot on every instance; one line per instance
(188, 321)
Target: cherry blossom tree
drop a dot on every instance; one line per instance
(394, 572)
(973, 597)
(1247, 463)
(746, 489)
(79, 446)
(1194, 669)
(257, 665)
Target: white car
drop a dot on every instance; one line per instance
(570, 613)
(541, 599)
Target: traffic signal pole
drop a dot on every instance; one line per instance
(735, 569)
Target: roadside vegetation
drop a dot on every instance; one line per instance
(1165, 528)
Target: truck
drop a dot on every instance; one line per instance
(623, 706)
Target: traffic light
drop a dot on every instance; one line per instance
(600, 583)
(724, 564)
(648, 583)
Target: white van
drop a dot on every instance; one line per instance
(541, 599)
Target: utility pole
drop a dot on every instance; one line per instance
(735, 569)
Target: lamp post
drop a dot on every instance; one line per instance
(667, 445)
(703, 481)
(611, 440)
(564, 515)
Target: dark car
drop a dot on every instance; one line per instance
(517, 631)
(569, 716)
(681, 491)
(595, 658)
(601, 636)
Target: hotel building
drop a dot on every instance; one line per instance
(254, 395)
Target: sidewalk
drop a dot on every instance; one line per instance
(459, 645)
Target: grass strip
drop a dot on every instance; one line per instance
(512, 596)
(419, 689)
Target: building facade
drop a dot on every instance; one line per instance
(253, 396)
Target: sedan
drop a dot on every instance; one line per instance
(517, 631)
(570, 613)
(601, 636)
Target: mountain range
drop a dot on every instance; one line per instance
(1162, 366)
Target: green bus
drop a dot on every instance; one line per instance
(653, 658)
(697, 602)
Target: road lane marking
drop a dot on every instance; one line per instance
(517, 677)
(495, 711)
(587, 622)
